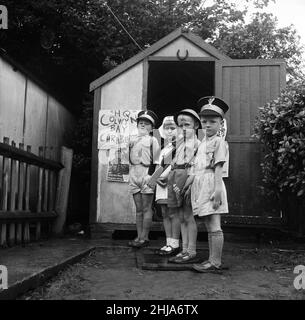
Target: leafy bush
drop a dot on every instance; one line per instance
(281, 128)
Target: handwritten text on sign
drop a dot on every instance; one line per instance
(115, 127)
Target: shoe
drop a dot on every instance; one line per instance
(172, 251)
(206, 266)
(141, 244)
(188, 258)
(177, 257)
(133, 243)
(158, 251)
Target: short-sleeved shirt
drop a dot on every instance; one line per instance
(211, 151)
(185, 152)
(141, 148)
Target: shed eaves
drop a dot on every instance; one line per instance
(196, 40)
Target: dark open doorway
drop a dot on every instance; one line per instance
(173, 85)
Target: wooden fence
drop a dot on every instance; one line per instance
(27, 192)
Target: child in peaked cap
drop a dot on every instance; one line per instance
(171, 222)
(188, 122)
(144, 153)
(208, 191)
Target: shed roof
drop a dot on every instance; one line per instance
(196, 40)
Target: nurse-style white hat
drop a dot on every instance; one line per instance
(168, 120)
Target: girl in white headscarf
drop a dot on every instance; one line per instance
(171, 222)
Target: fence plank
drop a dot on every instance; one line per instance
(5, 185)
(3, 235)
(46, 185)
(14, 182)
(21, 181)
(13, 191)
(5, 178)
(39, 200)
(51, 182)
(20, 195)
(62, 191)
(40, 177)
(26, 230)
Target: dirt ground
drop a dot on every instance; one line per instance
(113, 273)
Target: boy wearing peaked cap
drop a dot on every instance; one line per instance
(187, 122)
(208, 192)
(144, 153)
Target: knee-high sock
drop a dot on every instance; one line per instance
(216, 239)
(210, 246)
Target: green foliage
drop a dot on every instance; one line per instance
(281, 128)
(261, 38)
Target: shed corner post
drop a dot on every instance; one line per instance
(94, 158)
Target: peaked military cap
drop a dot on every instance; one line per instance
(148, 115)
(212, 106)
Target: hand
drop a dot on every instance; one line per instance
(147, 179)
(216, 198)
(187, 194)
(176, 189)
(162, 182)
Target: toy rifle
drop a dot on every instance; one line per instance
(165, 163)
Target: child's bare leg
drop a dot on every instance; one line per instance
(191, 230)
(147, 215)
(184, 231)
(213, 223)
(166, 223)
(176, 229)
(139, 213)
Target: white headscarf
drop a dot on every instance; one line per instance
(166, 121)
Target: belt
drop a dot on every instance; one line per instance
(140, 164)
(181, 166)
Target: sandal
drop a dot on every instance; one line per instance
(133, 243)
(188, 258)
(158, 251)
(177, 257)
(206, 266)
(141, 244)
(169, 252)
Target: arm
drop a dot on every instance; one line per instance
(216, 197)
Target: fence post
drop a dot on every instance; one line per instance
(20, 195)
(13, 189)
(26, 231)
(62, 191)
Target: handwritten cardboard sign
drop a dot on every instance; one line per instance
(115, 127)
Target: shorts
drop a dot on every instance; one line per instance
(202, 189)
(178, 177)
(138, 177)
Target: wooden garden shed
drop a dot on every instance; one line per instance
(173, 74)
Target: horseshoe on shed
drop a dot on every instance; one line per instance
(182, 58)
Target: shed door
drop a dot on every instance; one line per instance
(247, 85)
